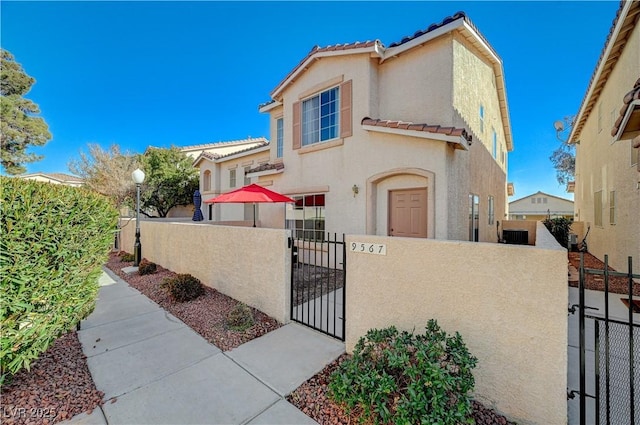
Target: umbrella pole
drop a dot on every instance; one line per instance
(254, 214)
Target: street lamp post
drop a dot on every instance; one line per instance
(138, 178)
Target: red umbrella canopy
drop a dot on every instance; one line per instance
(249, 194)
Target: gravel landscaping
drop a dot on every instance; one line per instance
(617, 284)
(58, 387)
(206, 314)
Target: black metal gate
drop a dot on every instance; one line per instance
(318, 278)
(609, 350)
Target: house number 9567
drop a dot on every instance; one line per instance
(369, 248)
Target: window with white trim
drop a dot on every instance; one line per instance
(481, 119)
(279, 137)
(232, 178)
(597, 208)
(306, 217)
(320, 117)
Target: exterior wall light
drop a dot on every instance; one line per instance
(355, 189)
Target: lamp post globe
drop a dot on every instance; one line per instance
(138, 179)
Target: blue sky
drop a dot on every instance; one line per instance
(183, 73)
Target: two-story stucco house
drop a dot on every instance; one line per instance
(54, 178)
(606, 135)
(539, 206)
(409, 139)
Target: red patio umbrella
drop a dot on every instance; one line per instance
(252, 193)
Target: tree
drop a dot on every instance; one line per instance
(19, 126)
(170, 180)
(563, 157)
(107, 172)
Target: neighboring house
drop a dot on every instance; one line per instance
(540, 206)
(55, 178)
(405, 140)
(223, 173)
(224, 147)
(606, 136)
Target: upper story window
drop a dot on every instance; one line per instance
(494, 143)
(279, 137)
(320, 117)
(491, 212)
(481, 119)
(232, 178)
(206, 181)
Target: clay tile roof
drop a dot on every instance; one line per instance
(261, 145)
(427, 128)
(598, 81)
(262, 105)
(266, 167)
(634, 94)
(434, 26)
(64, 177)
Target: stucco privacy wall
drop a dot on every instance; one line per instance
(252, 265)
(511, 312)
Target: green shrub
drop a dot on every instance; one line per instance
(559, 227)
(54, 240)
(146, 267)
(183, 287)
(240, 318)
(125, 257)
(404, 378)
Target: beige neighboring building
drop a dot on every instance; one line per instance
(540, 206)
(223, 173)
(409, 139)
(606, 135)
(217, 149)
(54, 178)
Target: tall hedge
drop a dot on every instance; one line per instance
(53, 242)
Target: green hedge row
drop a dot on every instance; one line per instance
(54, 240)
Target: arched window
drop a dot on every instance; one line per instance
(206, 184)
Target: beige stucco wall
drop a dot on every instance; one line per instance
(415, 86)
(511, 312)
(248, 264)
(602, 164)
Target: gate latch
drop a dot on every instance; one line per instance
(573, 308)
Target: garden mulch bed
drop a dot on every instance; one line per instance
(312, 398)
(617, 284)
(206, 314)
(58, 387)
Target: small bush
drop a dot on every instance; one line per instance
(126, 257)
(403, 378)
(240, 318)
(559, 227)
(53, 241)
(146, 267)
(183, 287)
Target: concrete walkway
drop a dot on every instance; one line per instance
(154, 369)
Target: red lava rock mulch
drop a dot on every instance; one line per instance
(58, 387)
(617, 284)
(206, 314)
(312, 398)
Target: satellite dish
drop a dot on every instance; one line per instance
(558, 125)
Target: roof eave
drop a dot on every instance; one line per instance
(459, 142)
(582, 115)
(314, 57)
(268, 107)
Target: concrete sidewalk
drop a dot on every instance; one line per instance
(154, 369)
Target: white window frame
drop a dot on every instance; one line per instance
(206, 183)
(481, 112)
(232, 178)
(313, 114)
(306, 222)
(279, 137)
